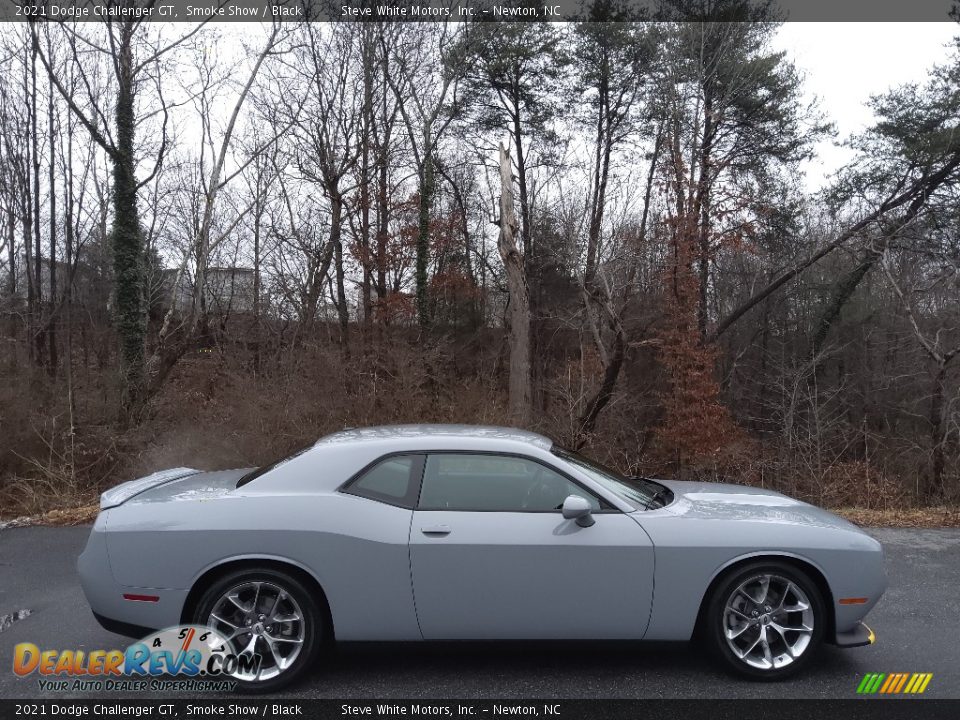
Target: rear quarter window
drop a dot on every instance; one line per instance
(391, 480)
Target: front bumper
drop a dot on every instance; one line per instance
(858, 636)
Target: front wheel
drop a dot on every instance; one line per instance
(766, 620)
(268, 618)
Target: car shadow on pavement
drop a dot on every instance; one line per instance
(483, 669)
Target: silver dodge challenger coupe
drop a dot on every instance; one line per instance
(446, 532)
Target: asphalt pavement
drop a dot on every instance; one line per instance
(916, 624)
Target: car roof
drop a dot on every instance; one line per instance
(424, 433)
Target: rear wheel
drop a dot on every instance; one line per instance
(766, 620)
(267, 615)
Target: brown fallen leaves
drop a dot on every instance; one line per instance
(65, 516)
(926, 517)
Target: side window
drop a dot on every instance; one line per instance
(389, 481)
(494, 483)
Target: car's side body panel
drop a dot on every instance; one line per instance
(523, 576)
(699, 536)
(355, 548)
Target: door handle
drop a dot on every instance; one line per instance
(435, 530)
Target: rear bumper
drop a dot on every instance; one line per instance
(106, 596)
(122, 628)
(858, 636)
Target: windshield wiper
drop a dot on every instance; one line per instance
(661, 495)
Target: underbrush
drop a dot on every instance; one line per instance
(226, 408)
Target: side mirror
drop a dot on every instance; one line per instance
(578, 508)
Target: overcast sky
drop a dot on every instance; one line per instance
(845, 63)
(842, 64)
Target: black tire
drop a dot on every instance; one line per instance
(313, 621)
(718, 616)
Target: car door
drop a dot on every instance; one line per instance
(492, 556)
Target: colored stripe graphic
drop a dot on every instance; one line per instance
(894, 683)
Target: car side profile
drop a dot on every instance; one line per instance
(449, 532)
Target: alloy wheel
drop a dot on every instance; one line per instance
(260, 618)
(768, 621)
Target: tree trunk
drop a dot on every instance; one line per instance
(257, 310)
(38, 336)
(126, 235)
(336, 214)
(383, 207)
(532, 262)
(938, 460)
(760, 414)
(519, 310)
(599, 401)
(604, 140)
(704, 183)
(68, 219)
(343, 311)
(841, 294)
(423, 230)
(12, 281)
(26, 219)
(366, 291)
(11, 253)
(458, 198)
(52, 322)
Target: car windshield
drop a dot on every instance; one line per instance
(264, 469)
(643, 494)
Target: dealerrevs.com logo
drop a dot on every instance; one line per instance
(185, 657)
(894, 683)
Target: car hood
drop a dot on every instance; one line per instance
(721, 501)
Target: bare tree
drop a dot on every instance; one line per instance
(132, 56)
(421, 100)
(519, 331)
(172, 341)
(936, 342)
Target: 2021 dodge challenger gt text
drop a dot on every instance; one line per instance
(444, 532)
